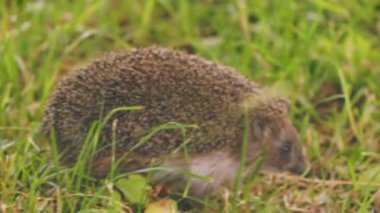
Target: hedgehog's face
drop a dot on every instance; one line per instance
(279, 140)
(280, 143)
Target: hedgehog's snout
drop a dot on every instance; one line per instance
(299, 162)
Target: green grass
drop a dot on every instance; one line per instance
(325, 54)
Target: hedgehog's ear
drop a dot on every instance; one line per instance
(259, 127)
(272, 111)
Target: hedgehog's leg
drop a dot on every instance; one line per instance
(100, 166)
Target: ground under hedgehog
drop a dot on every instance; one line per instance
(172, 86)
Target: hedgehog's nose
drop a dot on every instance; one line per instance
(300, 167)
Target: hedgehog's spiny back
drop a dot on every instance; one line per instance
(172, 86)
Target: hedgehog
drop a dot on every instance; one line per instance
(209, 112)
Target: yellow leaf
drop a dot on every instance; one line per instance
(162, 206)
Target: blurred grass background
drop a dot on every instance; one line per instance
(325, 54)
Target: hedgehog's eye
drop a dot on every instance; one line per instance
(285, 149)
